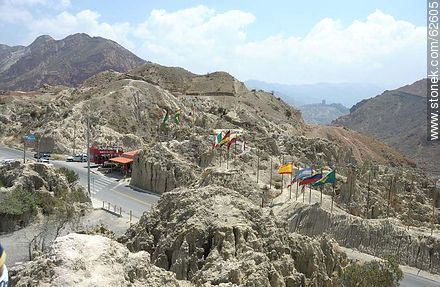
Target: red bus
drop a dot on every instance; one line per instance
(101, 154)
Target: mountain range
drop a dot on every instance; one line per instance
(61, 62)
(346, 94)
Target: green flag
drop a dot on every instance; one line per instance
(165, 116)
(177, 116)
(218, 139)
(328, 178)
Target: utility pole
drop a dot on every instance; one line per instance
(88, 155)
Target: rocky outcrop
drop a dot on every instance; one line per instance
(28, 189)
(214, 235)
(376, 237)
(158, 169)
(91, 260)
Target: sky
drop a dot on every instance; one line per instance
(380, 42)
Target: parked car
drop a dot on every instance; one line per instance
(42, 155)
(43, 160)
(77, 158)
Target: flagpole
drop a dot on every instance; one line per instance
(310, 193)
(321, 186)
(270, 179)
(304, 193)
(290, 191)
(333, 195)
(282, 177)
(227, 160)
(296, 193)
(258, 164)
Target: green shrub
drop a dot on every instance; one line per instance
(70, 175)
(374, 273)
(18, 202)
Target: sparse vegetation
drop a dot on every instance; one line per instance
(374, 273)
(70, 175)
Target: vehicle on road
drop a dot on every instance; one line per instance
(77, 158)
(7, 161)
(43, 160)
(42, 155)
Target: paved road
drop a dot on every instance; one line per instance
(103, 188)
(411, 280)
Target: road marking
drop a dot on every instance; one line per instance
(131, 197)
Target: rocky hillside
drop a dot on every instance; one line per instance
(398, 118)
(65, 62)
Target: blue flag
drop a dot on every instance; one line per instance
(302, 173)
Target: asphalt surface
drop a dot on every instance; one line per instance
(111, 190)
(103, 188)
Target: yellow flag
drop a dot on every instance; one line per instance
(286, 169)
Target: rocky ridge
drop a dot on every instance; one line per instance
(65, 62)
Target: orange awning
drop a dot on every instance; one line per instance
(131, 154)
(122, 160)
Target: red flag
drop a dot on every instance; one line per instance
(231, 142)
(312, 179)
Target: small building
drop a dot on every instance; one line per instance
(125, 161)
(101, 154)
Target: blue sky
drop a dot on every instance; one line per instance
(296, 42)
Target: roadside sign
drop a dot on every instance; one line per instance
(30, 138)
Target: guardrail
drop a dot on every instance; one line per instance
(115, 210)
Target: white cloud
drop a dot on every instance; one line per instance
(377, 49)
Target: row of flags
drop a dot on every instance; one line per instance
(228, 139)
(305, 176)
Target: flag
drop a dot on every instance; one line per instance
(311, 179)
(165, 116)
(292, 182)
(225, 138)
(305, 172)
(328, 178)
(177, 116)
(218, 139)
(231, 142)
(286, 169)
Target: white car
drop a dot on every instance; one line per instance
(77, 158)
(43, 160)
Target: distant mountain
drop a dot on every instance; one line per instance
(64, 62)
(346, 94)
(322, 113)
(398, 118)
